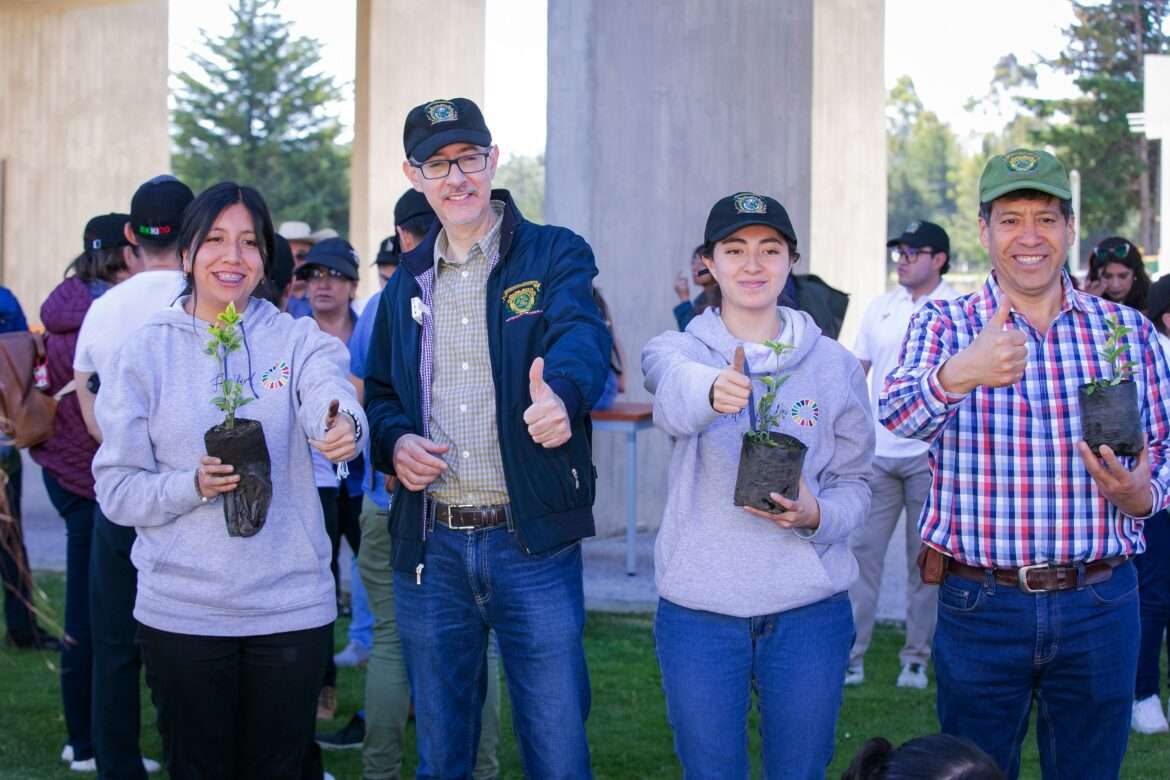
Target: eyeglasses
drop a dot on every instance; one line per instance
(909, 255)
(441, 169)
(318, 272)
(1120, 251)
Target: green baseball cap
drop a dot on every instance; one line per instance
(1023, 169)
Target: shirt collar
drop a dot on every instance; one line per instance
(443, 247)
(989, 297)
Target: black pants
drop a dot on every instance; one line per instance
(14, 572)
(113, 586)
(236, 707)
(77, 649)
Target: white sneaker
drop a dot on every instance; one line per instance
(328, 776)
(913, 676)
(855, 674)
(1148, 717)
(353, 655)
(150, 765)
(90, 765)
(67, 754)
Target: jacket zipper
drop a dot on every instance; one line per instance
(576, 480)
(418, 574)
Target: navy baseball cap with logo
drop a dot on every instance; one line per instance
(156, 210)
(335, 253)
(105, 231)
(436, 123)
(747, 208)
(921, 233)
(412, 204)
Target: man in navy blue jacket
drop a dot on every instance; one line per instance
(487, 355)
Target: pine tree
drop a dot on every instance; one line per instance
(259, 113)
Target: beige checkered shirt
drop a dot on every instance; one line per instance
(463, 396)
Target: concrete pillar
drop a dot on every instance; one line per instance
(658, 108)
(408, 51)
(83, 85)
(1156, 112)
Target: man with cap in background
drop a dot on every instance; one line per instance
(156, 212)
(1027, 530)
(300, 240)
(487, 355)
(901, 472)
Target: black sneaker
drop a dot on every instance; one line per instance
(349, 738)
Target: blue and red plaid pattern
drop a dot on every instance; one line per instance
(1009, 487)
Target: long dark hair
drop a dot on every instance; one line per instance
(98, 265)
(937, 757)
(200, 215)
(1109, 251)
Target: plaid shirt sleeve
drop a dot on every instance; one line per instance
(1156, 415)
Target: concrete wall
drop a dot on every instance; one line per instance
(398, 68)
(83, 87)
(658, 108)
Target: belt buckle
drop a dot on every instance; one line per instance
(450, 524)
(1022, 577)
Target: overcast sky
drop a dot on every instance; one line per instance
(948, 47)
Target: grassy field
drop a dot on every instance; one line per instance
(629, 735)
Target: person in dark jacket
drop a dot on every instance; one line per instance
(66, 459)
(487, 355)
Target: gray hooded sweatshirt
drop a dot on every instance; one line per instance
(153, 411)
(712, 555)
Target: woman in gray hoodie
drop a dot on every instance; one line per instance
(234, 630)
(753, 600)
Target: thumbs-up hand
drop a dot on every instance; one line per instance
(996, 358)
(547, 418)
(339, 443)
(732, 388)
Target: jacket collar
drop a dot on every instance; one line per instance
(422, 258)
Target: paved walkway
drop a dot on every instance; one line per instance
(607, 586)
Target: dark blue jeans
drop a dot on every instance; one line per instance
(794, 661)
(1153, 568)
(473, 582)
(998, 649)
(77, 647)
(113, 586)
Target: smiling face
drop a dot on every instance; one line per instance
(1027, 241)
(751, 266)
(227, 266)
(458, 198)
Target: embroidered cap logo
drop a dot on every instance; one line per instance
(1022, 162)
(441, 111)
(749, 203)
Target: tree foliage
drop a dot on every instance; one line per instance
(258, 111)
(524, 177)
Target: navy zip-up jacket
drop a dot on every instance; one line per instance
(539, 304)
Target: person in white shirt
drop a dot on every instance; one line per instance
(155, 216)
(901, 473)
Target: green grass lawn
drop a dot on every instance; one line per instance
(628, 732)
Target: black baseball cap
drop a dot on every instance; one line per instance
(1158, 300)
(335, 253)
(388, 251)
(156, 210)
(105, 231)
(436, 123)
(919, 234)
(412, 204)
(747, 208)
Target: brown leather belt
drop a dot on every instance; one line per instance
(468, 517)
(1041, 577)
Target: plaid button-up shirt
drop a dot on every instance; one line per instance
(463, 395)
(1009, 487)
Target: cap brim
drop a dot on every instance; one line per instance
(727, 230)
(456, 135)
(1004, 189)
(327, 262)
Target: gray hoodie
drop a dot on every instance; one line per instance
(153, 411)
(715, 556)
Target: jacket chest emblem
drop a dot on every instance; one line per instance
(522, 298)
(805, 413)
(276, 377)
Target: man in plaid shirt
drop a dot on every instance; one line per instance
(1038, 598)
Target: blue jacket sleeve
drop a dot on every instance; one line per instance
(385, 412)
(577, 344)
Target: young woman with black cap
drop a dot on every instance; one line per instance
(234, 630)
(753, 600)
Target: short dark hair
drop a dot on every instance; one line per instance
(418, 225)
(98, 265)
(1066, 209)
(199, 217)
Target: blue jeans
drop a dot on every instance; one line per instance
(480, 580)
(794, 661)
(998, 649)
(77, 649)
(361, 624)
(1153, 568)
